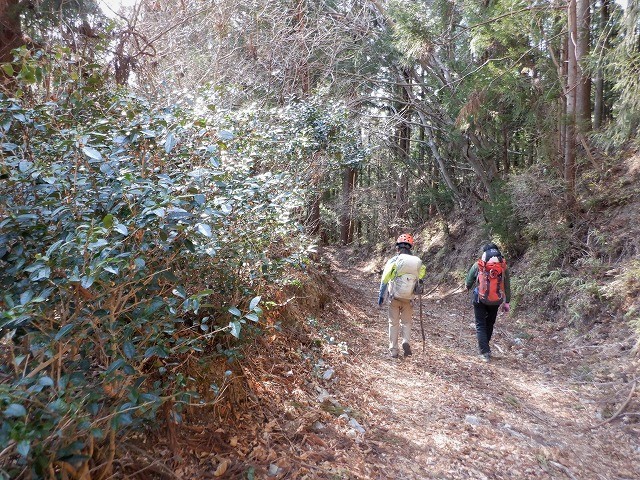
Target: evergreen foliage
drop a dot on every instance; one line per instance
(502, 222)
(132, 238)
(624, 67)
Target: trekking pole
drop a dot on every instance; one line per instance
(461, 325)
(464, 310)
(421, 325)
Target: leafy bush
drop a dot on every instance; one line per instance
(501, 219)
(132, 239)
(535, 289)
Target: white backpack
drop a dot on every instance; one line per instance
(407, 272)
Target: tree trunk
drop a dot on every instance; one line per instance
(347, 224)
(313, 217)
(434, 185)
(402, 195)
(10, 32)
(442, 167)
(582, 46)
(598, 107)
(404, 144)
(312, 220)
(484, 170)
(562, 101)
(403, 179)
(505, 150)
(571, 93)
(431, 141)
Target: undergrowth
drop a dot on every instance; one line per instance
(140, 246)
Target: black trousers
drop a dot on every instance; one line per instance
(485, 319)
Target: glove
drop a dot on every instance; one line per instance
(383, 291)
(506, 307)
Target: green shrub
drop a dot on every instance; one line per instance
(501, 221)
(133, 238)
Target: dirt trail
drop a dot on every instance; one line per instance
(442, 413)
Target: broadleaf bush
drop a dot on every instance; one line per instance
(132, 238)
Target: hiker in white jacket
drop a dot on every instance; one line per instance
(399, 278)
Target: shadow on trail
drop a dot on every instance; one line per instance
(442, 413)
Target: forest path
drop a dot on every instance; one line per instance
(442, 413)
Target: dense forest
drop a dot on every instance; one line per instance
(173, 174)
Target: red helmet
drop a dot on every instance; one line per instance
(405, 238)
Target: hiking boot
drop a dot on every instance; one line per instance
(394, 355)
(407, 350)
(485, 357)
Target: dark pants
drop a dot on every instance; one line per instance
(485, 319)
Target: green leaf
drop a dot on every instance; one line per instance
(150, 397)
(225, 135)
(252, 316)
(235, 312)
(156, 350)
(19, 359)
(101, 242)
(92, 153)
(26, 218)
(15, 410)
(23, 447)
(129, 349)
(40, 274)
(122, 419)
(204, 229)
(54, 247)
(64, 330)
(25, 166)
(190, 246)
(170, 142)
(27, 74)
(120, 228)
(46, 381)
(179, 292)
(25, 297)
(115, 365)
(254, 302)
(8, 69)
(108, 220)
(235, 328)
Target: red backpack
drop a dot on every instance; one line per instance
(491, 278)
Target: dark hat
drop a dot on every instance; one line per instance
(490, 246)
